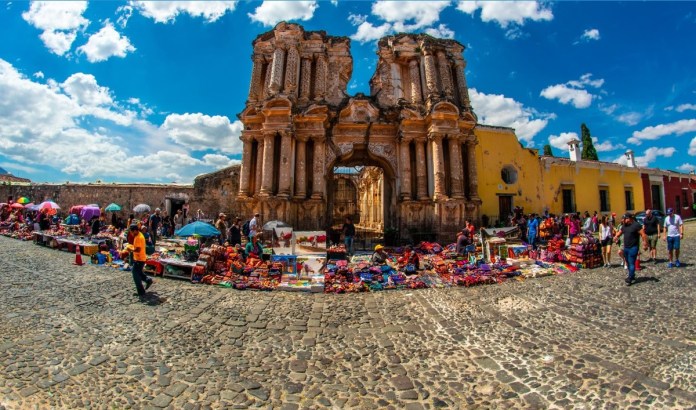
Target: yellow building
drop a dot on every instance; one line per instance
(511, 175)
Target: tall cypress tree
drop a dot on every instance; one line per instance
(588, 149)
(547, 150)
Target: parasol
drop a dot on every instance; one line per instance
(271, 225)
(198, 228)
(112, 207)
(16, 205)
(31, 207)
(23, 200)
(142, 208)
(76, 209)
(89, 212)
(48, 205)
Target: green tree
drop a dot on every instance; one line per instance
(588, 149)
(547, 150)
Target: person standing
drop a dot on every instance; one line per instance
(254, 224)
(606, 232)
(137, 250)
(166, 224)
(221, 226)
(178, 220)
(348, 234)
(95, 225)
(234, 235)
(632, 233)
(532, 230)
(653, 229)
(154, 223)
(673, 234)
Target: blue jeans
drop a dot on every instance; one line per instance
(531, 239)
(348, 241)
(139, 277)
(631, 254)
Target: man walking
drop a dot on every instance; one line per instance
(139, 258)
(673, 234)
(653, 229)
(632, 232)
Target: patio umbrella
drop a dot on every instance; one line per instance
(142, 208)
(198, 228)
(31, 207)
(72, 219)
(89, 212)
(23, 200)
(48, 205)
(16, 205)
(112, 207)
(76, 209)
(271, 225)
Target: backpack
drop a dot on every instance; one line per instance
(245, 228)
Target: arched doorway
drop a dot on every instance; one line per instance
(362, 186)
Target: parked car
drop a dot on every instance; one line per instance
(640, 216)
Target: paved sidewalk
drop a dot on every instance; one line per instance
(76, 337)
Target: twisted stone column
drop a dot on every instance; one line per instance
(430, 73)
(461, 85)
(285, 165)
(306, 81)
(300, 168)
(256, 79)
(245, 173)
(259, 166)
(292, 71)
(445, 73)
(405, 169)
(276, 77)
(421, 170)
(268, 169)
(456, 169)
(321, 78)
(438, 166)
(414, 72)
(473, 175)
(318, 169)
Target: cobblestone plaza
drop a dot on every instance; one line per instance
(77, 337)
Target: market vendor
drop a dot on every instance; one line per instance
(254, 247)
(462, 242)
(380, 256)
(412, 258)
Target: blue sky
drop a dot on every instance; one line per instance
(149, 91)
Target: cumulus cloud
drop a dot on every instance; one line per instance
(84, 90)
(409, 15)
(590, 34)
(441, 31)
(649, 156)
(630, 118)
(573, 92)
(686, 167)
(692, 147)
(655, 132)
(356, 19)
(497, 109)
(506, 13)
(106, 43)
(270, 13)
(367, 32)
(606, 146)
(59, 21)
(167, 11)
(202, 132)
(561, 140)
(39, 74)
(219, 161)
(685, 107)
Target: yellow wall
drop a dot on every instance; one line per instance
(540, 180)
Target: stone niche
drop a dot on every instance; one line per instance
(417, 126)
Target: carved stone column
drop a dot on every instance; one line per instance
(318, 169)
(445, 74)
(438, 166)
(276, 72)
(268, 169)
(461, 84)
(256, 79)
(430, 73)
(421, 170)
(306, 81)
(292, 71)
(285, 165)
(414, 72)
(259, 166)
(300, 168)
(245, 173)
(456, 170)
(405, 165)
(473, 176)
(321, 78)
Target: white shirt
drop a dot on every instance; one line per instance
(605, 232)
(253, 225)
(672, 224)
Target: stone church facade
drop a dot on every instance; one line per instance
(417, 126)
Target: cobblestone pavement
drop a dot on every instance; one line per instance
(75, 337)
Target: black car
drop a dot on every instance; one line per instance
(640, 216)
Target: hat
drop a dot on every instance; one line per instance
(627, 215)
(133, 226)
(378, 247)
(157, 209)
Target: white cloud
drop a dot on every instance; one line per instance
(499, 110)
(655, 132)
(219, 161)
(561, 141)
(106, 43)
(590, 34)
(606, 146)
(367, 32)
(84, 90)
(686, 167)
(270, 13)
(649, 156)
(202, 132)
(505, 13)
(441, 31)
(409, 15)
(692, 147)
(685, 107)
(59, 20)
(124, 14)
(630, 118)
(573, 92)
(167, 11)
(39, 74)
(356, 19)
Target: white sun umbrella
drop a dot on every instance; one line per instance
(48, 205)
(142, 208)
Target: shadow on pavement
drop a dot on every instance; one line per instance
(153, 299)
(642, 279)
